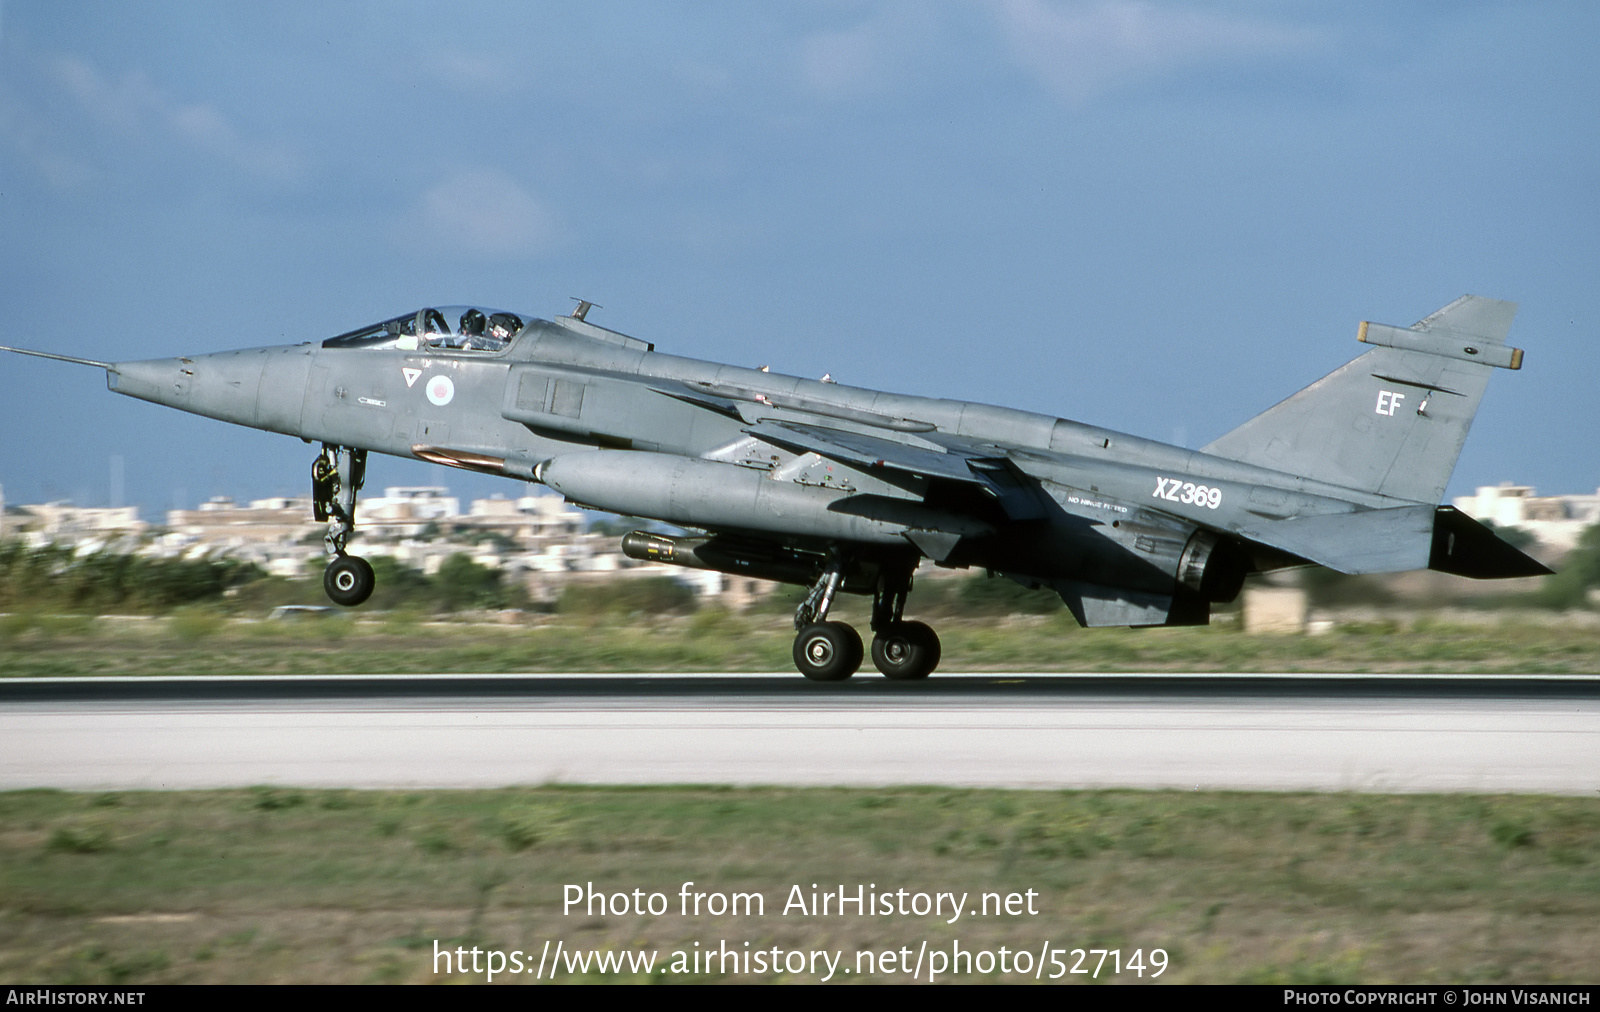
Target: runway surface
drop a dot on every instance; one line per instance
(1206, 732)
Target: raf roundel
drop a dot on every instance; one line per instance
(440, 390)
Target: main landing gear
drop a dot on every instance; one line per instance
(336, 476)
(832, 651)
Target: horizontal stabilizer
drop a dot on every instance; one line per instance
(1393, 540)
(1465, 547)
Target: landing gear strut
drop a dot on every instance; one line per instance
(903, 651)
(825, 651)
(336, 476)
(831, 651)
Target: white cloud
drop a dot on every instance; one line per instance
(839, 63)
(475, 71)
(27, 133)
(125, 106)
(205, 128)
(137, 108)
(479, 214)
(1081, 50)
(880, 52)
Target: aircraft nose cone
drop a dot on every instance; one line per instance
(161, 380)
(223, 385)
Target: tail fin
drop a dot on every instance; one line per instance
(1393, 420)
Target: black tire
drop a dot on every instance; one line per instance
(828, 651)
(348, 580)
(906, 651)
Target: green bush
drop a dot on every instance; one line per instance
(462, 583)
(1578, 574)
(1326, 588)
(54, 578)
(650, 595)
(981, 595)
(398, 586)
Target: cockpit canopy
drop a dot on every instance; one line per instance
(446, 328)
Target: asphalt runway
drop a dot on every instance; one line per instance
(1206, 732)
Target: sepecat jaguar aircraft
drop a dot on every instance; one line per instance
(847, 490)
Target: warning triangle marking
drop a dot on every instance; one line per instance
(410, 374)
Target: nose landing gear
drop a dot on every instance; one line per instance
(348, 580)
(336, 476)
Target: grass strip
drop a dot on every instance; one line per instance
(283, 885)
(714, 640)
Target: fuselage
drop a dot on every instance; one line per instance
(614, 425)
(554, 391)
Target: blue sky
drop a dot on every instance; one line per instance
(1157, 217)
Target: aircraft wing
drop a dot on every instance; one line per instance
(961, 461)
(867, 452)
(699, 398)
(955, 476)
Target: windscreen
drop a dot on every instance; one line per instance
(446, 328)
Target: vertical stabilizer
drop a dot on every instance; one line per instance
(1393, 420)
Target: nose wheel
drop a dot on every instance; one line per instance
(336, 476)
(348, 580)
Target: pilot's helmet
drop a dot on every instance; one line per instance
(503, 325)
(472, 322)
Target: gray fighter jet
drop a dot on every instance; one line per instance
(844, 489)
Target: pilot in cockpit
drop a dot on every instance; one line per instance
(503, 326)
(477, 335)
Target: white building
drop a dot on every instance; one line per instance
(64, 523)
(222, 521)
(405, 510)
(1557, 520)
(530, 519)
